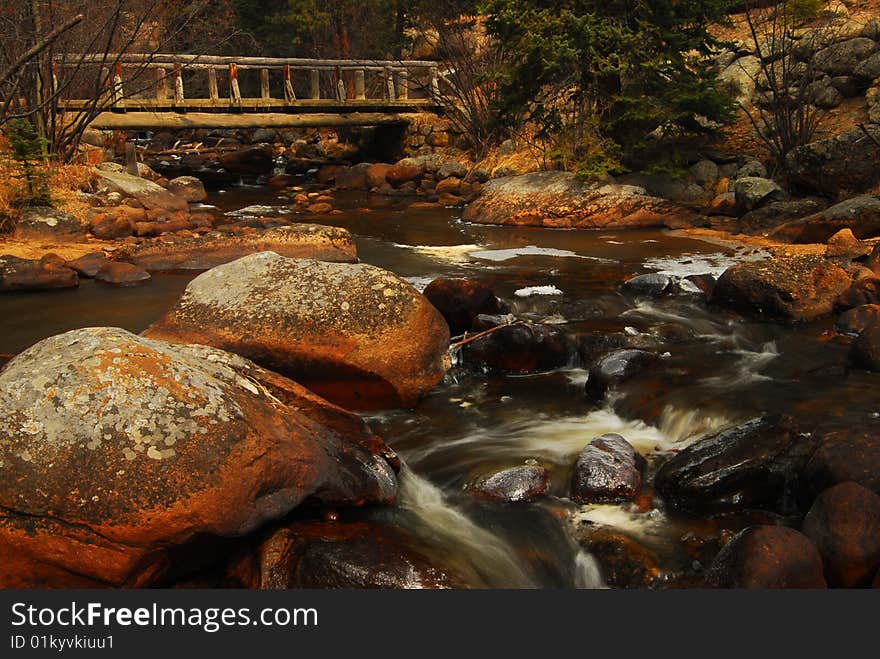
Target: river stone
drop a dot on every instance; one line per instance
(761, 557)
(122, 274)
(150, 195)
(523, 483)
(753, 465)
(253, 161)
(519, 348)
(840, 166)
(866, 348)
(460, 301)
(865, 291)
(852, 454)
(797, 288)
(615, 368)
(307, 241)
(115, 448)
(49, 272)
(88, 264)
(774, 214)
(188, 188)
(855, 321)
(351, 555)
(752, 192)
(607, 470)
(565, 200)
(356, 334)
(860, 214)
(44, 223)
(625, 562)
(844, 522)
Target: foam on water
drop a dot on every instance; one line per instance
(701, 264)
(499, 255)
(528, 291)
(445, 253)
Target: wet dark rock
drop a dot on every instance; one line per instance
(460, 301)
(350, 555)
(860, 214)
(521, 348)
(122, 274)
(756, 464)
(523, 483)
(706, 283)
(844, 523)
(88, 265)
(772, 215)
(607, 470)
(650, 285)
(852, 454)
(797, 288)
(159, 443)
(252, 161)
(615, 368)
(624, 561)
(857, 320)
(866, 348)
(864, 291)
(762, 557)
(594, 345)
(44, 223)
(49, 272)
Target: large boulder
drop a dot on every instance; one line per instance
(49, 272)
(798, 288)
(115, 449)
(564, 200)
(844, 522)
(753, 465)
(50, 224)
(860, 214)
(739, 78)
(865, 291)
(188, 188)
(252, 161)
(761, 557)
(460, 301)
(852, 455)
(150, 195)
(607, 470)
(773, 214)
(354, 333)
(844, 57)
(839, 165)
(752, 192)
(301, 241)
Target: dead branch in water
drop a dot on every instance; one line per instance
(470, 339)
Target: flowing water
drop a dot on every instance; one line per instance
(717, 370)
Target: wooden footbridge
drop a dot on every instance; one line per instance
(158, 92)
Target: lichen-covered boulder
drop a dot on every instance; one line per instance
(42, 223)
(116, 449)
(354, 333)
(299, 241)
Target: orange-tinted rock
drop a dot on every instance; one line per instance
(406, 171)
(624, 561)
(844, 455)
(310, 241)
(798, 288)
(863, 291)
(354, 333)
(111, 225)
(844, 523)
(321, 208)
(88, 265)
(133, 447)
(866, 348)
(349, 555)
(856, 320)
(252, 161)
(49, 272)
(375, 176)
(563, 200)
(450, 186)
(122, 274)
(188, 187)
(761, 557)
(460, 301)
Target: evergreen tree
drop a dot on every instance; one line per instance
(27, 149)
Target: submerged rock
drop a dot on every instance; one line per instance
(523, 483)
(756, 464)
(460, 301)
(520, 348)
(564, 200)
(797, 288)
(615, 368)
(607, 470)
(122, 274)
(304, 241)
(761, 557)
(47, 273)
(115, 449)
(625, 562)
(356, 334)
(844, 522)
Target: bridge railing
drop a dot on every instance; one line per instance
(175, 85)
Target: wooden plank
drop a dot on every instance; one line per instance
(72, 59)
(173, 120)
(213, 89)
(258, 105)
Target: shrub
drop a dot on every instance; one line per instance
(27, 151)
(804, 11)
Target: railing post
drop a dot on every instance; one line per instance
(389, 85)
(161, 85)
(213, 90)
(179, 96)
(340, 86)
(314, 84)
(265, 93)
(289, 94)
(360, 85)
(55, 69)
(234, 91)
(403, 85)
(435, 85)
(116, 90)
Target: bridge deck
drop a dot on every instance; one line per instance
(186, 120)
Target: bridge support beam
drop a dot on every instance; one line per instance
(172, 120)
